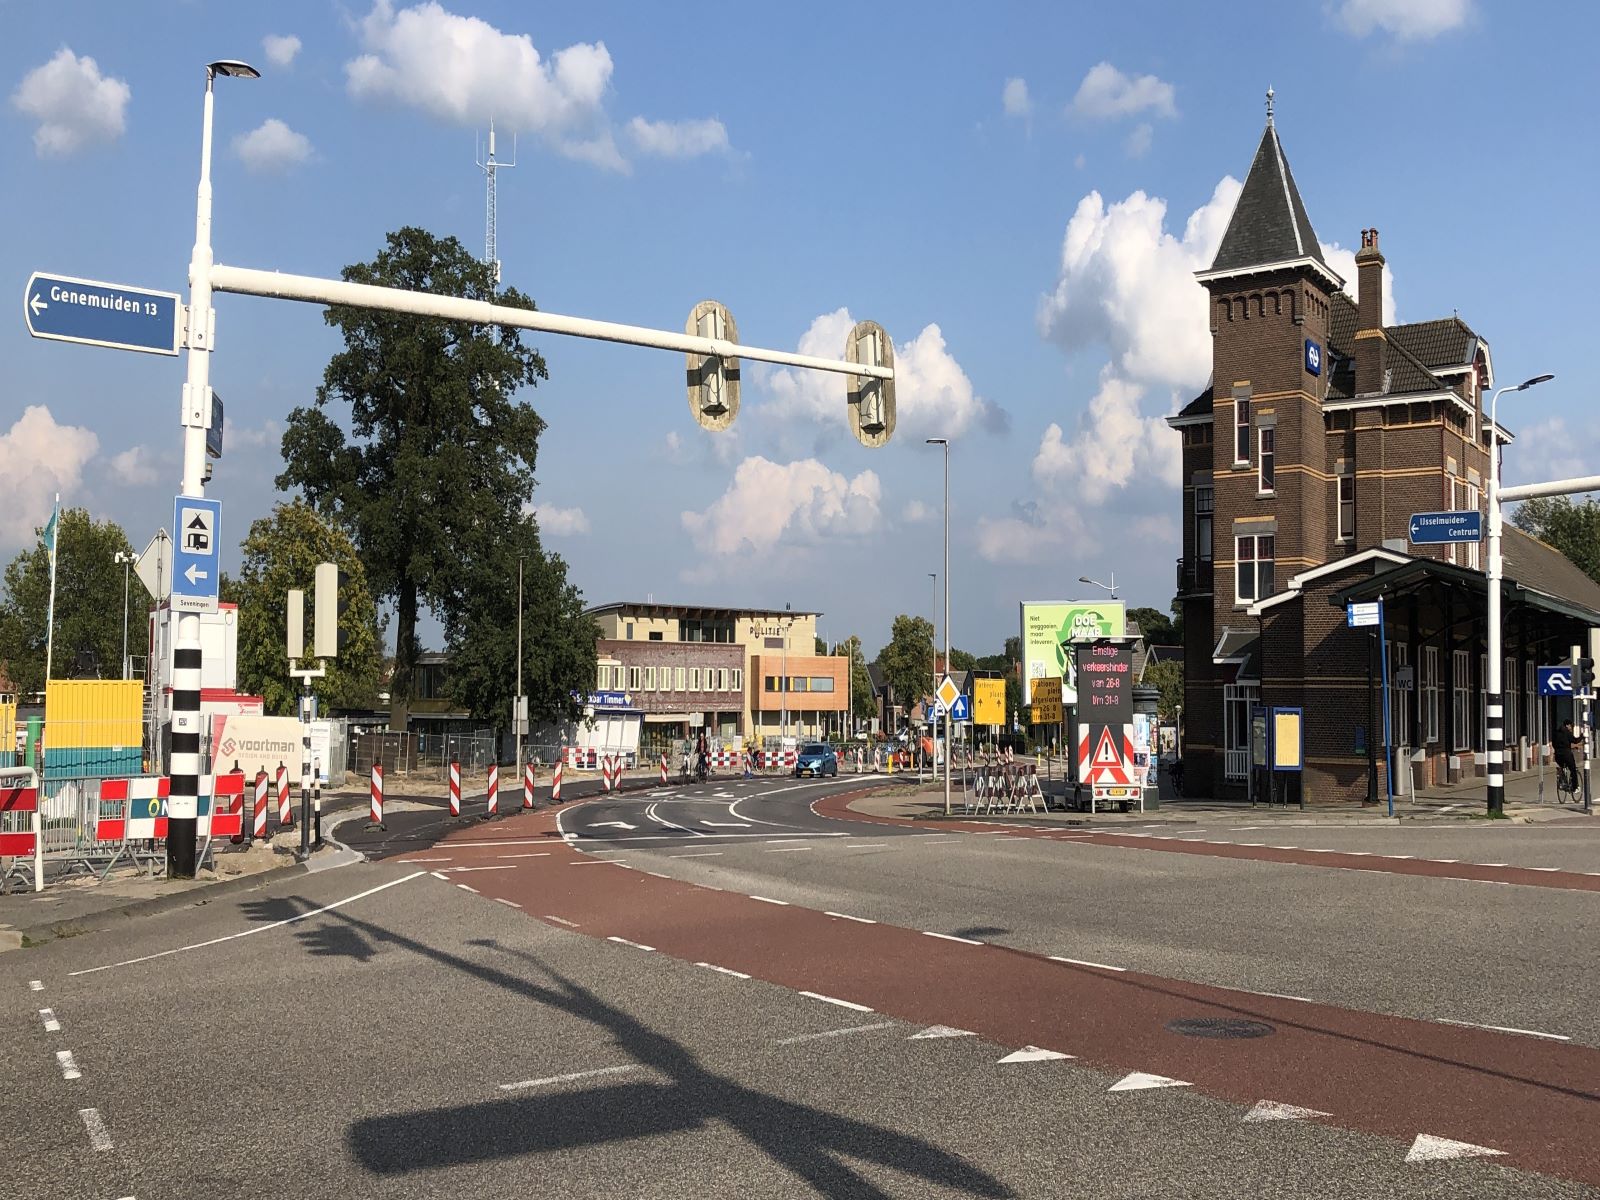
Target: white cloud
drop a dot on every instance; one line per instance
(916, 512)
(1116, 447)
(280, 48)
(73, 103)
(1127, 284)
(1107, 92)
(678, 139)
(1138, 143)
(800, 503)
(272, 146)
(1015, 98)
(135, 466)
(1344, 262)
(269, 435)
(464, 70)
(933, 395)
(1550, 449)
(39, 458)
(560, 522)
(1407, 20)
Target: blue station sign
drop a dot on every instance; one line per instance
(64, 309)
(1434, 528)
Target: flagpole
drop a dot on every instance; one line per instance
(50, 628)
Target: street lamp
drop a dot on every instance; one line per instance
(1110, 587)
(517, 704)
(126, 558)
(945, 442)
(783, 679)
(1494, 701)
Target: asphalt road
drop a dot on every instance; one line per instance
(434, 1038)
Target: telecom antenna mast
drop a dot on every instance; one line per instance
(489, 166)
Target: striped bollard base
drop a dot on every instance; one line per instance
(555, 784)
(259, 821)
(455, 789)
(663, 769)
(285, 813)
(494, 791)
(527, 786)
(377, 796)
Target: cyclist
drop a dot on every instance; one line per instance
(702, 757)
(1562, 741)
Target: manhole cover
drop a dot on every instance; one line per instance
(1220, 1027)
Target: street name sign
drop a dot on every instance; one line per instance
(1434, 528)
(196, 556)
(64, 309)
(1556, 681)
(1359, 613)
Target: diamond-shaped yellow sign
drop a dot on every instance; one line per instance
(948, 692)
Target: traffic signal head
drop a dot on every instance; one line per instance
(328, 635)
(713, 380)
(1583, 679)
(870, 398)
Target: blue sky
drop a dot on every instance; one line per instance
(1020, 198)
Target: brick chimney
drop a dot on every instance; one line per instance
(1372, 344)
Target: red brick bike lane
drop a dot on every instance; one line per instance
(1534, 1100)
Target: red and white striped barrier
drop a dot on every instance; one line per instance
(555, 784)
(527, 786)
(494, 789)
(377, 794)
(285, 812)
(608, 779)
(258, 824)
(19, 806)
(663, 767)
(224, 816)
(455, 789)
(142, 811)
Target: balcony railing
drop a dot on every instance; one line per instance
(1194, 577)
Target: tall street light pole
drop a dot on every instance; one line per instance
(126, 559)
(945, 442)
(783, 680)
(183, 766)
(517, 704)
(1110, 587)
(1494, 700)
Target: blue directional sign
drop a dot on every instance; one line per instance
(1433, 528)
(1555, 681)
(961, 710)
(196, 560)
(64, 309)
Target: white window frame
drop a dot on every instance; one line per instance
(736, 679)
(1400, 699)
(1473, 548)
(1428, 695)
(649, 679)
(694, 679)
(1266, 460)
(722, 679)
(1255, 539)
(1508, 688)
(680, 679)
(633, 679)
(1237, 701)
(1461, 700)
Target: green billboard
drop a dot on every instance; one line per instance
(1048, 630)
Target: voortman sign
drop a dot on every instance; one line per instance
(256, 744)
(1048, 630)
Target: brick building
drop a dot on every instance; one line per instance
(1323, 430)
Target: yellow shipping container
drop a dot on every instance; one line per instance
(83, 713)
(8, 730)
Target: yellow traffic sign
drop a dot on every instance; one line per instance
(947, 693)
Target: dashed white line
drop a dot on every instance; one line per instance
(770, 900)
(1554, 1037)
(440, 875)
(538, 854)
(848, 917)
(866, 846)
(698, 854)
(530, 1083)
(507, 903)
(99, 1139)
(1543, 868)
(723, 970)
(411, 862)
(69, 1067)
(1083, 962)
(950, 937)
(561, 921)
(658, 874)
(48, 1016)
(35, 985)
(622, 941)
(788, 849)
(841, 1003)
(460, 870)
(833, 1033)
(599, 862)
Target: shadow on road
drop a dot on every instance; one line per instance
(808, 1142)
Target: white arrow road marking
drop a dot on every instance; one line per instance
(941, 1031)
(1033, 1054)
(37, 304)
(617, 824)
(1428, 1148)
(1138, 1081)
(1272, 1110)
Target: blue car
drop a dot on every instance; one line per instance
(816, 758)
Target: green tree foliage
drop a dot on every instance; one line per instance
(280, 552)
(1156, 626)
(907, 661)
(861, 696)
(558, 639)
(437, 463)
(89, 613)
(1572, 528)
(960, 660)
(1168, 676)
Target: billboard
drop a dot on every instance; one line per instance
(989, 701)
(1048, 631)
(256, 743)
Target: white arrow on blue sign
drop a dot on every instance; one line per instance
(64, 309)
(1555, 681)
(961, 710)
(196, 554)
(1434, 528)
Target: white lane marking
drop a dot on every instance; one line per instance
(1428, 1148)
(1032, 1054)
(561, 921)
(782, 841)
(941, 1031)
(770, 900)
(440, 875)
(1494, 864)
(723, 970)
(411, 862)
(868, 846)
(950, 937)
(612, 825)
(460, 870)
(735, 814)
(467, 887)
(841, 1003)
(1139, 1081)
(538, 841)
(658, 874)
(531, 1083)
(599, 862)
(726, 824)
(68, 1065)
(48, 1016)
(537, 854)
(1541, 868)
(99, 1139)
(1273, 1110)
(1554, 1037)
(35, 985)
(1277, 995)
(717, 837)
(1253, 845)
(788, 849)
(1399, 856)
(833, 1033)
(1444, 860)
(651, 815)
(507, 903)
(622, 941)
(698, 854)
(1083, 962)
(372, 891)
(1286, 847)
(848, 917)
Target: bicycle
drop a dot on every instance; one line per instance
(1566, 785)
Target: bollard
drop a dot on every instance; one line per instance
(527, 784)
(285, 813)
(259, 820)
(605, 774)
(377, 797)
(663, 768)
(316, 801)
(555, 784)
(493, 807)
(455, 789)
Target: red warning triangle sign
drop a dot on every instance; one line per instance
(1107, 764)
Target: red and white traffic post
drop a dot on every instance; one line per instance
(259, 821)
(493, 807)
(377, 796)
(455, 789)
(527, 784)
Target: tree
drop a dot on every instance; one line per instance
(280, 552)
(1166, 675)
(1155, 625)
(438, 462)
(1572, 528)
(907, 661)
(558, 639)
(861, 698)
(89, 613)
(960, 660)
(819, 646)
